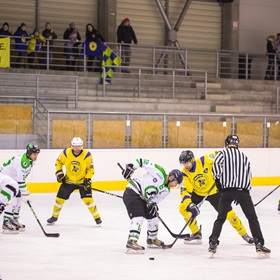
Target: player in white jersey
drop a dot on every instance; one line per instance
(141, 198)
(18, 168)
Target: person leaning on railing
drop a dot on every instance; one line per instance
(71, 50)
(34, 48)
(50, 35)
(21, 44)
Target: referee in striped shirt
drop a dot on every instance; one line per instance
(232, 173)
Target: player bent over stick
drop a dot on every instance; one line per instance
(198, 179)
(141, 197)
(79, 171)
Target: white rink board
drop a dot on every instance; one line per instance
(264, 162)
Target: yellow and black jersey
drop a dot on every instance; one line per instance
(199, 179)
(77, 167)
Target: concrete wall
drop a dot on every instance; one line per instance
(265, 166)
(257, 20)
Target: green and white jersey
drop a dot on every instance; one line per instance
(151, 185)
(18, 168)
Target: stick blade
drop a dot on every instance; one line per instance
(52, 234)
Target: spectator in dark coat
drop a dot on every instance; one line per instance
(270, 54)
(92, 35)
(21, 43)
(126, 35)
(5, 30)
(50, 35)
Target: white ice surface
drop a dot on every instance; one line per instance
(85, 251)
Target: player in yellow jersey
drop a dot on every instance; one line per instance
(198, 180)
(79, 171)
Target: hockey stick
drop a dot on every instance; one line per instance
(168, 246)
(46, 234)
(266, 196)
(177, 236)
(112, 194)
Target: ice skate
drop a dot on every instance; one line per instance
(248, 238)
(263, 252)
(9, 228)
(98, 222)
(213, 247)
(134, 248)
(16, 223)
(51, 221)
(194, 239)
(154, 243)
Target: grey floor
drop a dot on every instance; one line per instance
(84, 251)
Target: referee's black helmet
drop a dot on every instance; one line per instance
(232, 139)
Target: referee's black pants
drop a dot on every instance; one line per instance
(247, 206)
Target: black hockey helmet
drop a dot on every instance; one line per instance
(178, 175)
(31, 148)
(186, 156)
(232, 139)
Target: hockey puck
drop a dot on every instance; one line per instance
(151, 259)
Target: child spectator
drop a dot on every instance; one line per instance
(35, 46)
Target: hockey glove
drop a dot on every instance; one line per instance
(25, 195)
(60, 176)
(152, 207)
(128, 171)
(87, 184)
(193, 209)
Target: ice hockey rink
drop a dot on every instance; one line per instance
(85, 251)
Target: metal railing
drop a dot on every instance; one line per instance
(50, 89)
(217, 63)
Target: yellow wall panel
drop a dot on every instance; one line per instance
(214, 134)
(63, 132)
(274, 136)
(146, 134)
(108, 134)
(183, 136)
(16, 119)
(250, 134)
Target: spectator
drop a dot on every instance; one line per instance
(35, 46)
(277, 48)
(50, 35)
(5, 30)
(71, 50)
(21, 43)
(92, 35)
(126, 35)
(270, 55)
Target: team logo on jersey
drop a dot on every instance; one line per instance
(205, 170)
(201, 181)
(75, 168)
(155, 180)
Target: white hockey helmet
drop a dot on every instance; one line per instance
(77, 141)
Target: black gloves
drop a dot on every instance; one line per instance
(193, 209)
(128, 171)
(153, 208)
(87, 184)
(60, 176)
